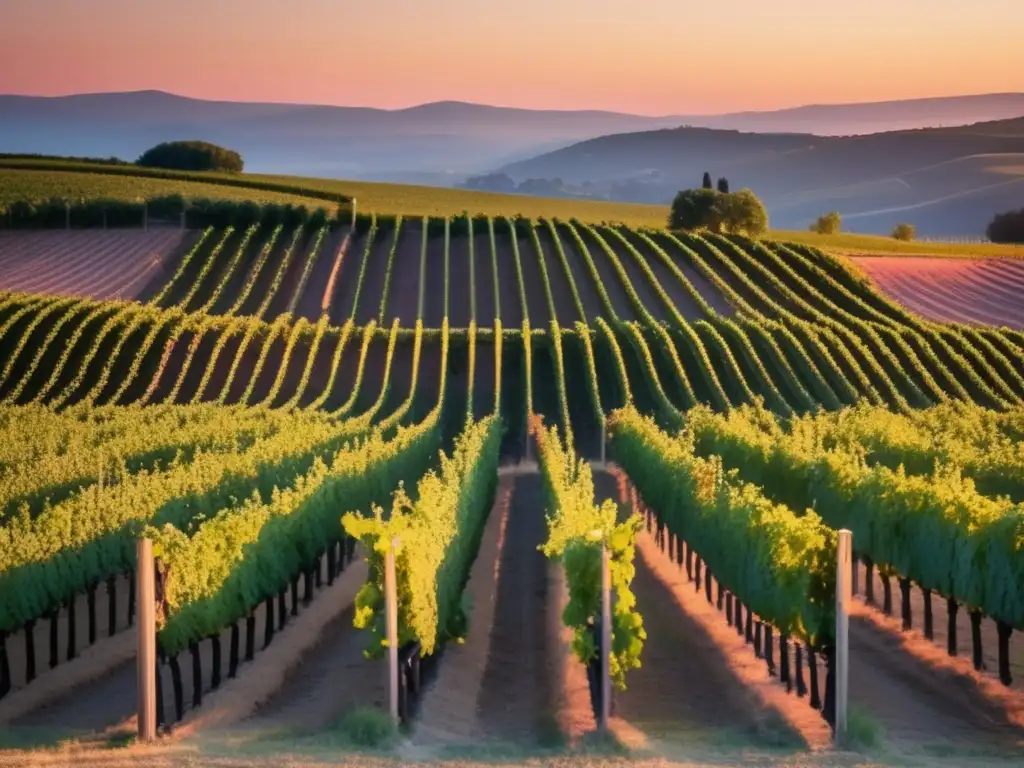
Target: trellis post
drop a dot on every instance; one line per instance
(606, 638)
(146, 657)
(391, 608)
(844, 555)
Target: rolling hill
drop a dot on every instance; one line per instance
(947, 181)
(438, 143)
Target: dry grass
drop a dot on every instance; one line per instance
(849, 244)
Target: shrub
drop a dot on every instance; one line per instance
(191, 156)
(828, 224)
(1007, 227)
(904, 232)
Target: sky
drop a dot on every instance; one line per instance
(652, 57)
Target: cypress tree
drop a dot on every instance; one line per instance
(707, 180)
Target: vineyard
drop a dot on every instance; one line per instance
(492, 404)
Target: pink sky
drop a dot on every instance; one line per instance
(642, 56)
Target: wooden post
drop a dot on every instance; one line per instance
(391, 609)
(67, 215)
(145, 216)
(353, 213)
(146, 657)
(603, 438)
(843, 597)
(606, 638)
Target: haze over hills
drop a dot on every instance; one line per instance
(946, 181)
(802, 160)
(440, 142)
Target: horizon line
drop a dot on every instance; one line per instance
(520, 108)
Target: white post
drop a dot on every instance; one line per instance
(606, 639)
(844, 556)
(146, 657)
(353, 213)
(391, 609)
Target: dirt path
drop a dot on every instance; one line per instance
(920, 705)
(448, 710)
(699, 683)
(331, 679)
(518, 695)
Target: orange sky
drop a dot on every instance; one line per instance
(642, 56)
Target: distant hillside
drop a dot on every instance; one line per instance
(437, 143)
(945, 180)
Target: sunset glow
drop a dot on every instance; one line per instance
(645, 56)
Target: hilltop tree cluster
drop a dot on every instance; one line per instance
(191, 156)
(718, 210)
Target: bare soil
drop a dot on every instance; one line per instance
(518, 695)
(699, 682)
(201, 361)
(373, 281)
(449, 706)
(934, 651)
(609, 277)
(915, 705)
(433, 293)
(271, 366)
(404, 291)
(640, 281)
(580, 275)
(222, 366)
(485, 296)
(265, 277)
(292, 274)
(536, 294)
(669, 281)
(980, 291)
(296, 364)
(331, 678)
(101, 264)
(310, 303)
(320, 374)
(561, 289)
(703, 285)
(459, 299)
(508, 281)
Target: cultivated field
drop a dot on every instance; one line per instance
(977, 291)
(244, 397)
(42, 179)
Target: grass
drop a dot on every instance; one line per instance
(850, 244)
(39, 185)
(20, 179)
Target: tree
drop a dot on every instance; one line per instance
(828, 224)
(191, 156)
(744, 213)
(694, 209)
(723, 186)
(1007, 227)
(904, 232)
(707, 181)
(741, 212)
